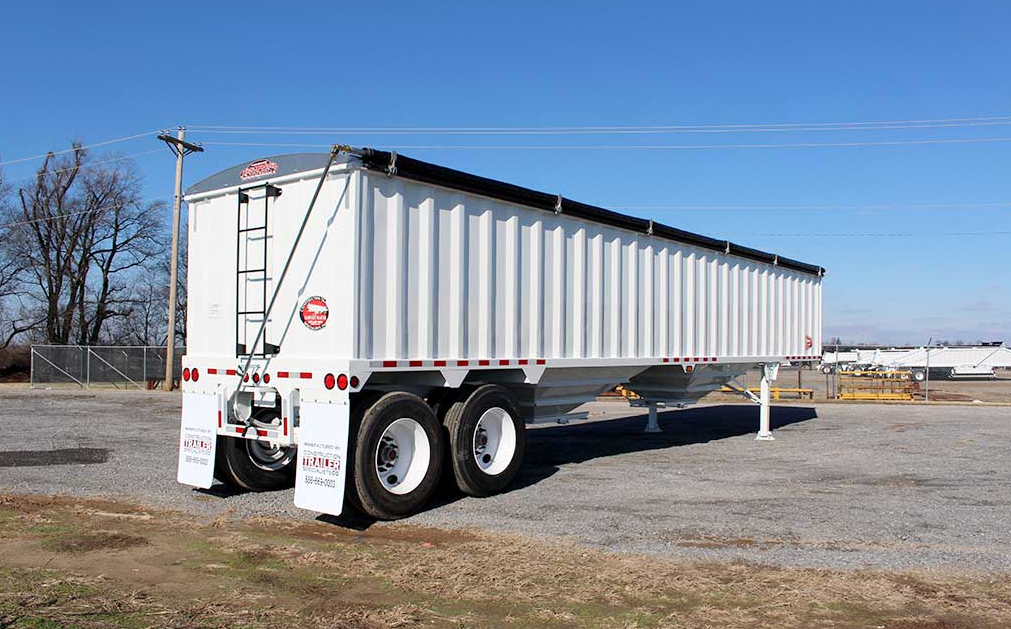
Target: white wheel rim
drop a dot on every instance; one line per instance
(494, 441)
(402, 456)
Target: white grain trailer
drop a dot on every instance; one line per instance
(948, 362)
(359, 320)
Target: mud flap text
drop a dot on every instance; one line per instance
(322, 457)
(198, 439)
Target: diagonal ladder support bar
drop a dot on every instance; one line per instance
(334, 150)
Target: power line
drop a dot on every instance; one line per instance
(629, 147)
(940, 122)
(589, 131)
(879, 234)
(86, 165)
(71, 150)
(80, 213)
(839, 208)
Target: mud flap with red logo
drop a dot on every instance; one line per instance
(198, 439)
(322, 456)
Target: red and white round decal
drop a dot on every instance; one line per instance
(314, 313)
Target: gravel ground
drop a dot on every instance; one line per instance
(842, 486)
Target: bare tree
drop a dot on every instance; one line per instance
(13, 320)
(85, 236)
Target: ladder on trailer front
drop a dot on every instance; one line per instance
(244, 274)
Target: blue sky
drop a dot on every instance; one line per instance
(95, 71)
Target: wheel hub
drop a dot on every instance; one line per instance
(402, 456)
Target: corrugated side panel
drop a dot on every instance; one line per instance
(449, 275)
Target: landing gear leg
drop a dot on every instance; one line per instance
(651, 424)
(769, 373)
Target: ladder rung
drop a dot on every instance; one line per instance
(251, 312)
(252, 271)
(252, 229)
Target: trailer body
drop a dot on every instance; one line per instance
(415, 278)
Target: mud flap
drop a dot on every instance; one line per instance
(198, 439)
(322, 456)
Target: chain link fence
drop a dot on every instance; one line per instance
(106, 366)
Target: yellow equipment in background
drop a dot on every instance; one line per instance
(875, 385)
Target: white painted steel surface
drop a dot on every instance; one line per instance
(412, 271)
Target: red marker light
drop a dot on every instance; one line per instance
(195, 374)
(186, 374)
(245, 378)
(355, 382)
(342, 382)
(328, 381)
(266, 378)
(256, 378)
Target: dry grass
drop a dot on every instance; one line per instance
(163, 570)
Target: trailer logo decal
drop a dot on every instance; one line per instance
(314, 313)
(808, 342)
(259, 168)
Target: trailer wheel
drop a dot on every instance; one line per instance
(919, 375)
(487, 438)
(256, 465)
(396, 452)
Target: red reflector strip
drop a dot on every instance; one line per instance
(503, 363)
(713, 359)
(413, 363)
(305, 375)
(286, 426)
(541, 361)
(282, 374)
(666, 360)
(675, 360)
(231, 372)
(219, 419)
(522, 361)
(462, 363)
(440, 363)
(212, 371)
(483, 363)
(389, 363)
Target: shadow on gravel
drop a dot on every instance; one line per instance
(550, 447)
(62, 456)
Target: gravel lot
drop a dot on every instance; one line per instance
(843, 486)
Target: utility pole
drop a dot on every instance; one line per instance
(181, 148)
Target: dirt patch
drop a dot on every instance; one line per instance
(88, 542)
(323, 531)
(63, 456)
(115, 565)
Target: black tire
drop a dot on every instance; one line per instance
(377, 497)
(237, 465)
(462, 421)
(919, 375)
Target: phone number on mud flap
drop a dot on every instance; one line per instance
(321, 482)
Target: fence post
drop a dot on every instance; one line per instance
(31, 369)
(145, 366)
(88, 363)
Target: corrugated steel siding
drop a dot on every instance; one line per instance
(445, 274)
